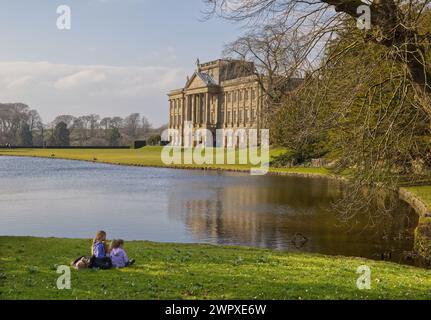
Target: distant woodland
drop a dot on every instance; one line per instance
(22, 126)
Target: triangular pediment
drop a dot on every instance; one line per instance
(195, 82)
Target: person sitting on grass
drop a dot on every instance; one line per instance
(100, 248)
(100, 251)
(119, 256)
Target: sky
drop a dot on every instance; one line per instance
(119, 57)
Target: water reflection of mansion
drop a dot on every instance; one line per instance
(221, 94)
(245, 213)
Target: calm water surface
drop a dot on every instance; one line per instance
(44, 197)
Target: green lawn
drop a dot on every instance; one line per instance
(193, 271)
(148, 156)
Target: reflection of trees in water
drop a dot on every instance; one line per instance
(374, 209)
(272, 211)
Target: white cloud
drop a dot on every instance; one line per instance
(81, 78)
(81, 89)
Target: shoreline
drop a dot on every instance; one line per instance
(422, 234)
(273, 172)
(222, 246)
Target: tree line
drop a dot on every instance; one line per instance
(22, 126)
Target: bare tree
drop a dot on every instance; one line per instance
(116, 122)
(93, 120)
(80, 129)
(106, 123)
(279, 61)
(131, 124)
(394, 25)
(34, 120)
(146, 125)
(12, 115)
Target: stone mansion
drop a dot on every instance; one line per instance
(221, 94)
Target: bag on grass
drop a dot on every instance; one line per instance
(81, 263)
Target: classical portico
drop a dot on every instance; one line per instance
(220, 94)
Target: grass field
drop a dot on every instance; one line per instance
(148, 156)
(192, 271)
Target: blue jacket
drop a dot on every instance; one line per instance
(99, 250)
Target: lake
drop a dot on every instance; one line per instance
(62, 198)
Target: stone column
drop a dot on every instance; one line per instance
(244, 105)
(178, 113)
(196, 99)
(208, 108)
(224, 103)
(189, 108)
(198, 96)
(205, 116)
(237, 110)
(170, 113)
(192, 100)
(203, 106)
(186, 111)
(200, 114)
(183, 118)
(198, 109)
(217, 110)
(181, 111)
(175, 113)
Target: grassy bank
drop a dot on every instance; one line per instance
(192, 271)
(148, 156)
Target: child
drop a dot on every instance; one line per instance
(99, 248)
(118, 255)
(99, 252)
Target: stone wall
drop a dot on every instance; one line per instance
(423, 230)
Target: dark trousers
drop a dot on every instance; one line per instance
(100, 263)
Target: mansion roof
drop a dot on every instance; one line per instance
(205, 77)
(223, 73)
(218, 73)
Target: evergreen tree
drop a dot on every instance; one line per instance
(61, 135)
(113, 136)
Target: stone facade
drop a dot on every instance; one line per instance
(221, 94)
